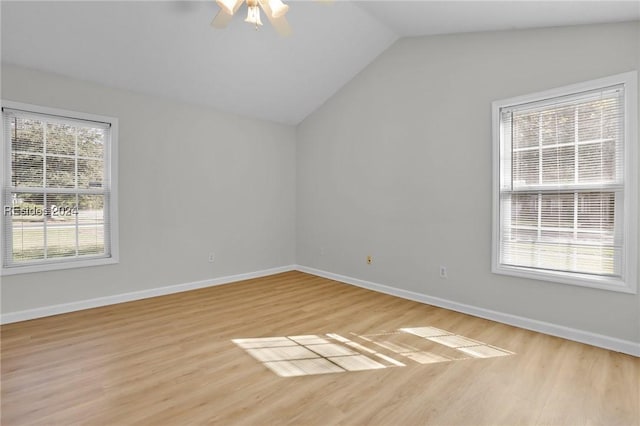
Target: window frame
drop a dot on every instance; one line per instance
(111, 168)
(627, 282)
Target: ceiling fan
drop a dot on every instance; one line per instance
(274, 9)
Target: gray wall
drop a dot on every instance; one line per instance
(398, 165)
(192, 180)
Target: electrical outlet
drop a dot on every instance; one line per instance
(443, 272)
(321, 251)
(369, 260)
(212, 257)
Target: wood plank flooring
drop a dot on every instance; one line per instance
(172, 361)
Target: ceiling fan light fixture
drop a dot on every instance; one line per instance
(228, 6)
(274, 9)
(278, 8)
(253, 14)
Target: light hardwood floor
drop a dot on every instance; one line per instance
(172, 360)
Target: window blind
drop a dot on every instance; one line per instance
(57, 189)
(562, 183)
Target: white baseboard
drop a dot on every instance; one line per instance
(136, 295)
(599, 340)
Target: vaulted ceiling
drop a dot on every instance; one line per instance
(168, 48)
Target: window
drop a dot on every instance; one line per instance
(58, 176)
(565, 184)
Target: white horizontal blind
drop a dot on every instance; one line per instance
(57, 189)
(562, 183)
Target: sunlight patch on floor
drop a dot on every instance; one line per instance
(291, 356)
(465, 345)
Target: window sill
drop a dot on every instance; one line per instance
(581, 280)
(54, 266)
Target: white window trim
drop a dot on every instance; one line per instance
(628, 283)
(111, 167)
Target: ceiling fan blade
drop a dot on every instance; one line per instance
(280, 24)
(230, 6)
(221, 20)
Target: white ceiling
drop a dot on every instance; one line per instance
(418, 18)
(167, 48)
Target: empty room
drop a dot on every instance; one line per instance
(323, 212)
